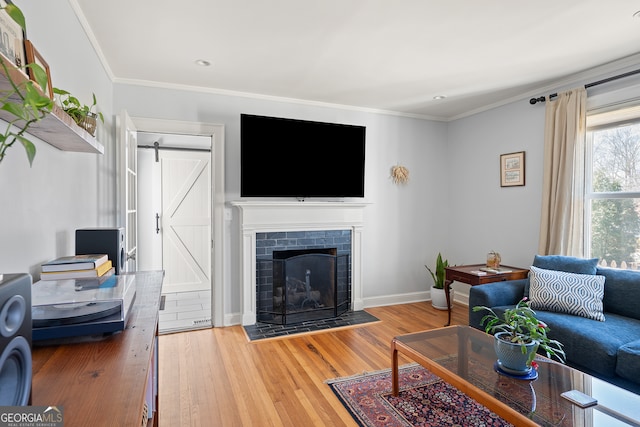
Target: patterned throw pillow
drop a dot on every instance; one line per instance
(577, 294)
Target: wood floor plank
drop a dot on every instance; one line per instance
(216, 377)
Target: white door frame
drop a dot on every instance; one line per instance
(126, 180)
(216, 132)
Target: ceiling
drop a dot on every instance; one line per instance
(379, 55)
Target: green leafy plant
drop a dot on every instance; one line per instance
(74, 108)
(439, 275)
(522, 327)
(22, 101)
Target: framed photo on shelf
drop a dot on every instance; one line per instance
(512, 169)
(34, 57)
(12, 38)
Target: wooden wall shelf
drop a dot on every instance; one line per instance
(58, 128)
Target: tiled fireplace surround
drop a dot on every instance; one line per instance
(282, 217)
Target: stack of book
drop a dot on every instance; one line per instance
(78, 267)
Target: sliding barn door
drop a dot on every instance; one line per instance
(186, 220)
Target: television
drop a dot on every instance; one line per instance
(282, 157)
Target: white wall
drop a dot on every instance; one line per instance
(485, 216)
(405, 225)
(453, 202)
(41, 206)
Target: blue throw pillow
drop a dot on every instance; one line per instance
(558, 291)
(567, 264)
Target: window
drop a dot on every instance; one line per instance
(612, 187)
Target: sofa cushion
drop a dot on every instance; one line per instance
(628, 364)
(558, 291)
(621, 290)
(566, 263)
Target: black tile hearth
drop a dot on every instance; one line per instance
(266, 330)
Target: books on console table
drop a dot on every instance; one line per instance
(107, 280)
(104, 269)
(75, 262)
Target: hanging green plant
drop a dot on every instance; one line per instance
(23, 101)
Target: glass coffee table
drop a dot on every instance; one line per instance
(464, 357)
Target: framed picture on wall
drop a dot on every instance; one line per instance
(34, 57)
(512, 169)
(12, 38)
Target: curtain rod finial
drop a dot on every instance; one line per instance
(534, 101)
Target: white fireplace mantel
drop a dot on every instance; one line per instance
(260, 217)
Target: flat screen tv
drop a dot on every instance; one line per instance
(281, 157)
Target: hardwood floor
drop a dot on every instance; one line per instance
(216, 377)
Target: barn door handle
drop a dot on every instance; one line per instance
(157, 224)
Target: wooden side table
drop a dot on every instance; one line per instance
(463, 273)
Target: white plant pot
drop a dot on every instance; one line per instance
(439, 299)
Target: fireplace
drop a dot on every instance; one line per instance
(281, 221)
(300, 285)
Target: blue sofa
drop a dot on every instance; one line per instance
(608, 349)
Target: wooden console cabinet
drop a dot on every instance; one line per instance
(105, 382)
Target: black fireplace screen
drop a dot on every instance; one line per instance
(306, 285)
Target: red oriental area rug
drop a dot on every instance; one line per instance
(424, 400)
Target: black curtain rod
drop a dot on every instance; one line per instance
(533, 101)
(175, 148)
(156, 146)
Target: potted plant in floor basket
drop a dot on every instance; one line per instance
(518, 336)
(438, 297)
(82, 114)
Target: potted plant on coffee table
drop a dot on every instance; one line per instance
(438, 297)
(518, 336)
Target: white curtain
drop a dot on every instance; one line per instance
(562, 219)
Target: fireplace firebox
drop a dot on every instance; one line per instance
(306, 285)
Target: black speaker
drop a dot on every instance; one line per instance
(15, 339)
(108, 241)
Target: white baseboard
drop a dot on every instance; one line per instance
(395, 299)
(380, 301)
(232, 319)
(461, 298)
(410, 298)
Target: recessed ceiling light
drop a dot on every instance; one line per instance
(437, 97)
(203, 62)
